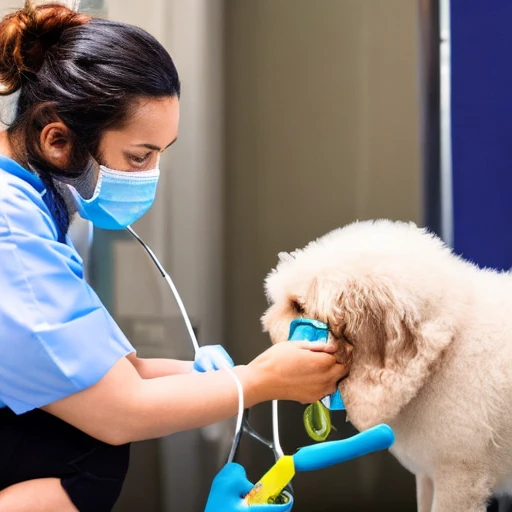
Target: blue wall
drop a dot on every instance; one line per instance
(481, 46)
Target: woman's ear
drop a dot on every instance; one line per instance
(56, 145)
(395, 346)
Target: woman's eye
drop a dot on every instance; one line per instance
(140, 159)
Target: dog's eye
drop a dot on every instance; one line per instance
(299, 308)
(340, 332)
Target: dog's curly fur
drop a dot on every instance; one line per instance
(427, 336)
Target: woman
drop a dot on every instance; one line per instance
(98, 103)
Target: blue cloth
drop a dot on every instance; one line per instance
(228, 490)
(56, 337)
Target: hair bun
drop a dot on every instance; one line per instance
(25, 37)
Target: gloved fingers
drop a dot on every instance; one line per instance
(220, 357)
(212, 357)
(234, 479)
(228, 489)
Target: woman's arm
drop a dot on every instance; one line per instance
(122, 407)
(151, 368)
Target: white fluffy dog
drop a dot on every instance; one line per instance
(428, 338)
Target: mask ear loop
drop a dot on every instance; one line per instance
(195, 344)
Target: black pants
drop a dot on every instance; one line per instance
(39, 445)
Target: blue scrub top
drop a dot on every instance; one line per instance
(56, 337)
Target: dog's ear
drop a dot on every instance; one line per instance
(395, 342)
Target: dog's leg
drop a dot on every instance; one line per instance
(424, 493)
(460, 490)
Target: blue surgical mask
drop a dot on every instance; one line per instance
(120, 197)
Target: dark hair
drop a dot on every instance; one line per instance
(82, 70)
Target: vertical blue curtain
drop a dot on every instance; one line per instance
(481, 51)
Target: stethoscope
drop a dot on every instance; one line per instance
(192, 335)
(275, 485)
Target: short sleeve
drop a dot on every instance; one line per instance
(56, 337)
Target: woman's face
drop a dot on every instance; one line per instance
(152, 128)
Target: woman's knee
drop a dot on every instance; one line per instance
(41, 495)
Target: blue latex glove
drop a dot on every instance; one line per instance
(228, 490)
(211, 357)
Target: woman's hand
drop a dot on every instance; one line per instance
(212, 357)
(300, 371)
(228, 490)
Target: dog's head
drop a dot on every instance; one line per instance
(381, 288)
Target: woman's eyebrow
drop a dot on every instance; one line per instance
(152, 146)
